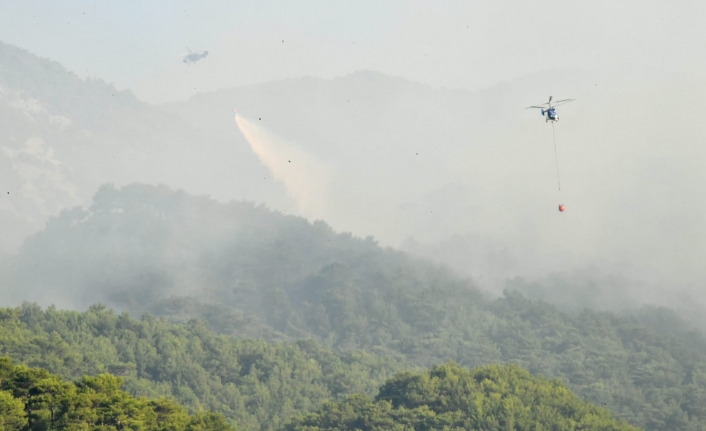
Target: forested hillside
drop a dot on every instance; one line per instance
(256, 384)
(252, 272)
(448, 397)
(34, 399)
(62, 137)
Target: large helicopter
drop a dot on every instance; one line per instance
(549, 109)
(192, 57)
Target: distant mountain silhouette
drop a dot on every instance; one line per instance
(406, 159)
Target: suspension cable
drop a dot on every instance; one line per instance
(556, 158)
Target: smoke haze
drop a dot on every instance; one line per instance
(407, 125)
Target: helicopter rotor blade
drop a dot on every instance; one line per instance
(538, 107)
(550, 99)
(562, 102)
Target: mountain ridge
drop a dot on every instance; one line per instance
(252, 272)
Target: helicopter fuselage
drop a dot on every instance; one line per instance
(550, 114)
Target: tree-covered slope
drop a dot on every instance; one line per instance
(34, 399)
(252, 272)
(451, 398)
(256, 384)
(61, 137)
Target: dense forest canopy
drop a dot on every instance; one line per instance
(451, 398)
(251, 272)
(34, 399)
(256, 384)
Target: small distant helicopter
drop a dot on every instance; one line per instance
(549, 109)
(192, 57)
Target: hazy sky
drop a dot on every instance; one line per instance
(467, 44)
